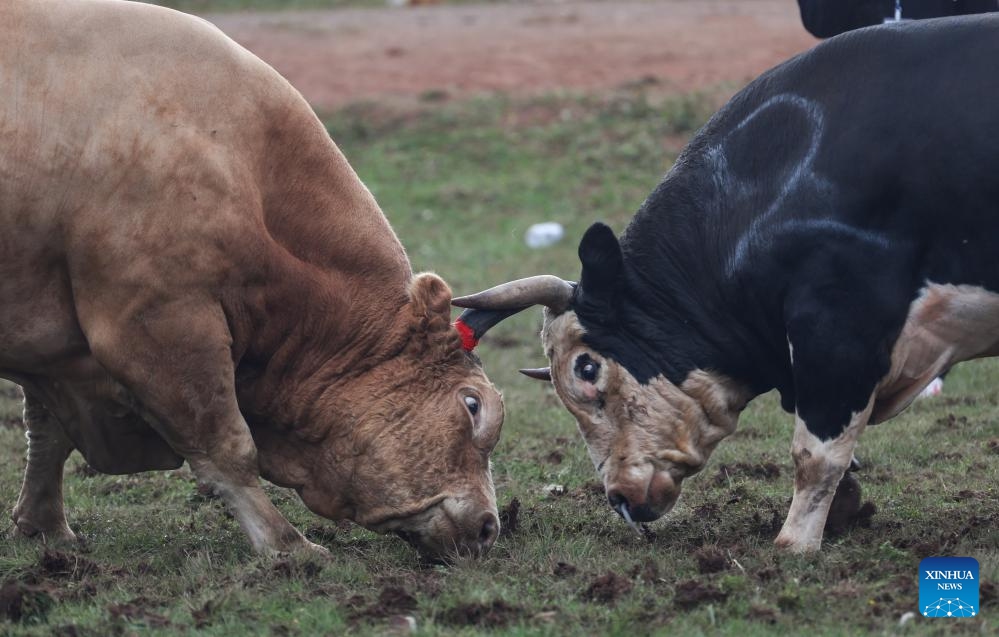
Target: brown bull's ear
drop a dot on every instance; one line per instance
(430, 296)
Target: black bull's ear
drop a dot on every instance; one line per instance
(603, 265)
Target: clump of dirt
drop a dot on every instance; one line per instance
(648, 572)
(23, 602)
(137, 611)
(564, 569)
(768, 528)
(555, 456)
(508, 518)
(764, 614)
(393, 600)
(293, 568)
(993, 445)
(495, 614)
(710, 559)
(607, 588)
(846, 510)
(950, 421)
(57, 564)
(987, 594)
(693, 593)
(762, 471)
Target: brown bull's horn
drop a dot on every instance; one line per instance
(472, 324)
(544, 289)
(541, 373)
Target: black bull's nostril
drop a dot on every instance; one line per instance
(639, 513)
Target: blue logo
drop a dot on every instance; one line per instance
(948, 587)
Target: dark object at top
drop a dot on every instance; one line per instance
(826, 18)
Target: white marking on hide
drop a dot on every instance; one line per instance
(801, 174)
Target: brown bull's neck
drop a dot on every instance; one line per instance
(331, 280)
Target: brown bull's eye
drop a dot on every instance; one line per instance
(587, 368)
(472, 404)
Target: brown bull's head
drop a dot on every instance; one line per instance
(409, 449)
(644, 437)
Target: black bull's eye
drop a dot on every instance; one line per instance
(586, 368)
(473, 404)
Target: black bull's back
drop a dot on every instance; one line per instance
(820, 200)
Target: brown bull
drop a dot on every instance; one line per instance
(191, 271)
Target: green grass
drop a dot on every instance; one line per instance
(461, 183)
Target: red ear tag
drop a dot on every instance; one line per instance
(468, 340)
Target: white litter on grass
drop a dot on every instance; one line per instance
(935, 388)
(906, 618)
(542, 235)
(554, 489)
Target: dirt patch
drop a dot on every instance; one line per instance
(711, 559)
(993, 445)
(607, 588)
(564, 569)
(761, 471)
(339, 57)
(495, 614)
(23, 602)
(508, 518)
(693, 593)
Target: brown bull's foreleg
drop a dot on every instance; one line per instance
(177, 363)
(39, 511)
(818, 468)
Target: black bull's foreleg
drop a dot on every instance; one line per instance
(818, 468)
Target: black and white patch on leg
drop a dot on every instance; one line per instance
(819, 466)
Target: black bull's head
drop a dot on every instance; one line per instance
(644, 436)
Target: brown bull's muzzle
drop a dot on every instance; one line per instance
(451, 529)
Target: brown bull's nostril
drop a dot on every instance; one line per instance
(488, 532)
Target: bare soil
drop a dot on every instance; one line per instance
(344, 56)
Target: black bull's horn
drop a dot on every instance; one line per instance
(491, 306)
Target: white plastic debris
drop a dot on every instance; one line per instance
(906, 618)
(554, 489)
(542, 235)
(935, 388)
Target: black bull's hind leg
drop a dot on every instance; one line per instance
(39, 511)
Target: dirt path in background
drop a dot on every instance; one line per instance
(338, 57)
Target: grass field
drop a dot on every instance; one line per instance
(461, 183)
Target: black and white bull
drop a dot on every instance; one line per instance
(832, 232)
